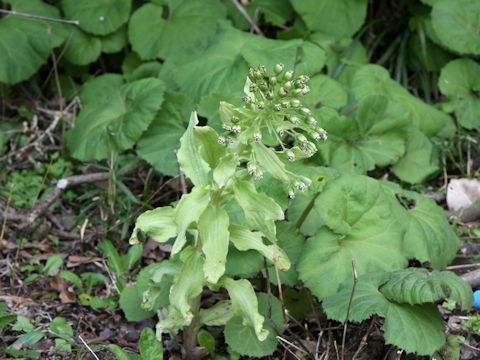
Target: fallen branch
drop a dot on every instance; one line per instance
(39, 17)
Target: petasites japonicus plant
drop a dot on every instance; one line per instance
(226, 214)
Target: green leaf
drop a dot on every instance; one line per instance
(375, 80)
(71, 277)
(26, 44)
(244, 239)
(189, 209)
(290, 242)
(191, 162)
(99, 89)
(189, 283)
(366, 302)
(416, 329)
(418, 286)
(121, 354)
(245, 305)
(115, 42)
(154, 282)
(116, 262)
(30, 338)
(429, 236)
(360, 226)
(420, 160)
(23, 324)
(99, 17)
(214, 237)
(460, 82)
(5, 320)
(150, 347)
(242, 339)
(166, 129)
(269, 161)
(54, 263)
(62, 345)
(207, 341)
(82, 48)
(60, 326)
(118, 122)
(130, 302)
(217, 315)
(456, 24)
(221, 68)
(260, 210)
(243, 263)
(276, 13)
(339, 18)
(159, 224)
(325, 91)
(375, 138)
(187, 24)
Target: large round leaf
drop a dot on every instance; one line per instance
(189, 25)
(115, 124)
(82, 48)
(25, 44)
(460, 81)
(456, 24)
(99, 17)
(159, 143)
(340, 18)
(375, 80)
(360, 227)
(376, 137)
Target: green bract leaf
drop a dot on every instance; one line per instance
(159, 224)
(242, 339)
(192, 163)
(61, 327)
(460, 82)
(166, 129)
(360, 226)
(82, 48)
(214, 237)
(244, 239)
(189, 209)
(99, 17)
(456, 24)
(245, 304)
(260, 210)
(418, 286)
(217, 315)
(375, 138)
(340, 18)
(115, 124)
(375, 80)
(188, 284)
(188, 24)
(420, 160)
(26, 44)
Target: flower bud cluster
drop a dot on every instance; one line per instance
(272, 105)
(273, 109)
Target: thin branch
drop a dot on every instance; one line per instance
(39, 17)
(345, 325)
(248, 17)
(89, 348)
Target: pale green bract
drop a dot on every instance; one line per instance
(159, 224)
